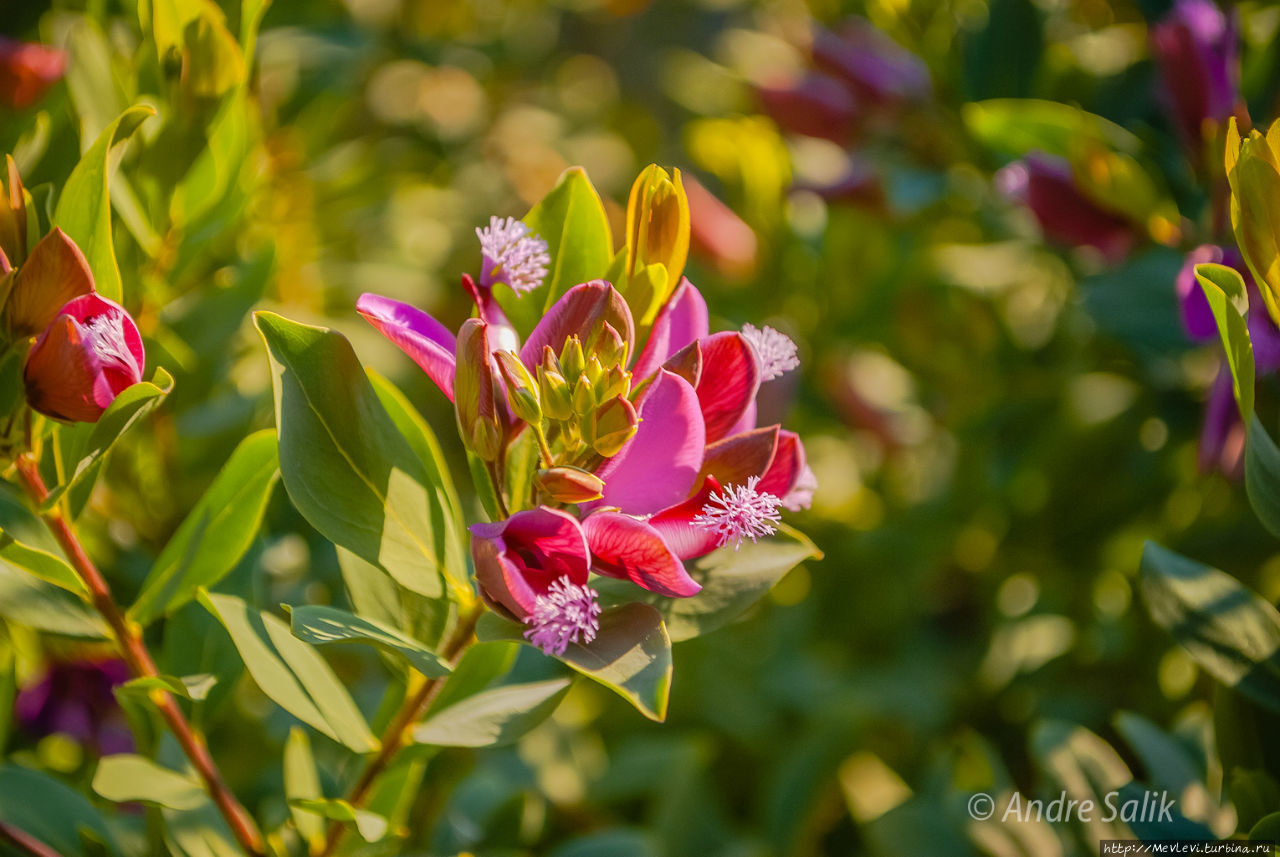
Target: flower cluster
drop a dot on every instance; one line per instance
(87, 348)
(644, 428)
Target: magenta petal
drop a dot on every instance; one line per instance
(630, 549)
(417, 334)
(657, 467)
(581, 310)
(789, 476)
(729, 383)
(682, 321)
(686, 539)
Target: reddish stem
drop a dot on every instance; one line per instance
(138, 658)
(396, 735)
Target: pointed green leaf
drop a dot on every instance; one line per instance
(63, 811)
(43, 565)
(318, 625)
(346, 466)
(446, 514)
(127, 777)
(370, 826)
(1262, 475)
(84, 208)
(631, 654)
(481, 666)
(732, 581)
(291, 673)
(194, 687)
(1224, 288)
(493, 717)
(31, 601)
(302, 782)
(85, 445)
(216, 533)
(1229, 630)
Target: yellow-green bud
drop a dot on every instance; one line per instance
(616, 423)
(557, 401)
(565, 484)
(522, 390)
(584, 398)
(572, 361)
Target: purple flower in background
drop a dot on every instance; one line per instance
(1046, 186)
(875, 67)
(1197, 49)
(815, 105)
(76, 698)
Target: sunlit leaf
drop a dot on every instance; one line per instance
(493, 717)
(318, 625)
(127, 777)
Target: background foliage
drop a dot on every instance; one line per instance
(998, 425)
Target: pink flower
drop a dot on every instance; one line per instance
(1197, 50)
(27, 71)
(88, 355)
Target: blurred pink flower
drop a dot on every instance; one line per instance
(27, 71)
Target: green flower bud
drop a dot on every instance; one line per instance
(584, 398)
(565, 484)
(572, 361)
(522, 390)
(616, 423)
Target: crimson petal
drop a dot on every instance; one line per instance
(729, 383)
(630, 549)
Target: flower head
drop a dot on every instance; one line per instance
(512, 255)
(1196, 47)
(741, 512)
(519, 559)
(566, 613)
(76, 698)
(89, 354)
(776, 351)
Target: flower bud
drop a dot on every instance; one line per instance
(610, 348)
(616, 423)
(55, 273)
(657, 235)
(557, 402)
(584, 397)
(473, 392)
(13, 220)
(522, 390)
(1197, 51)
(572, 360)
(1253, 171)
(565, 484)
(89, 354)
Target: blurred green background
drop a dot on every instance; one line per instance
(996, 424)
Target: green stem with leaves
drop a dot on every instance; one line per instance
(134, 650)
(397, 734)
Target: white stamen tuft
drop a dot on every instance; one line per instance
(512, 255)
(741, 512)
(568, 613)
(776, 351)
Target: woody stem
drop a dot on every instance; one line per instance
(134, 650)
(397, 734)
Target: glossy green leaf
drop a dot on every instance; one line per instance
(480, 666)
(370, 826)
(1086, 768)
(318, 625)
(85, 445)
(1016, 126)
(127, 777)
(631, 654)
(1224, 288)
(572, 220)
(30, 601)
(493, 717)
(218, 165)
(199, 832)
(44, 565)
(63, 813)
(446, 510)
(1228, 629)
(84, 207)
(732, 581)
(194, 687)
(216, 533)
(346, 466)
(291, 673)
(302, 782)
(1262, 475)
(375, 595)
